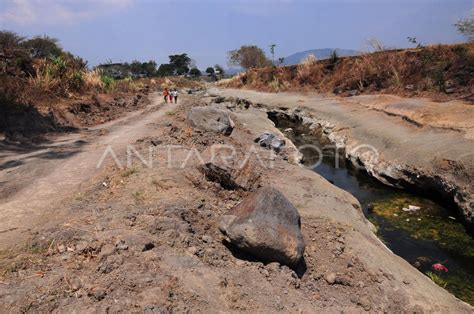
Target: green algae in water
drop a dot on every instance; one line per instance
(427, 236)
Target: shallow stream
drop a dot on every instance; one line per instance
(424, 237)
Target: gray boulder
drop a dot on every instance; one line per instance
(266, 225)
(270, 141)
(211, 119)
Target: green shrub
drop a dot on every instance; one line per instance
(108, 81)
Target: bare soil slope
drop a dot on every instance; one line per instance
(146, 239)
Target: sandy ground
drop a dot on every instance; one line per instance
(145, 239)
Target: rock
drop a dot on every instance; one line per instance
(273, 267)
(106, 251)
(330, 278)
(82, 247)
(154, 309)
(270, 141)
(148, 246)
(211, 119)
(267, 226)
(353, 92)
(193, 250)
(410, 87)
(413, 207)
(121, 245)
(61, 248)
(206, 239)
(98, 294)
(364, 302)
(449, 90)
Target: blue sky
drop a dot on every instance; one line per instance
(124, 30)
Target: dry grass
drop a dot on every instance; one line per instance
(92, 79)
(446, 70)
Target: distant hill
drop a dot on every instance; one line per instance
(233, 71)
(319, 53)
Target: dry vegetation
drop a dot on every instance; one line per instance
(442, 72)
(45, 89)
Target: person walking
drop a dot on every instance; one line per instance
(175, 95)
(166, 93)
(171, 96)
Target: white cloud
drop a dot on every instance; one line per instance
(28, 12)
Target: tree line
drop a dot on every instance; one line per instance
(179, 64)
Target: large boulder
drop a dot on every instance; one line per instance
(266, 225)
(211, 119)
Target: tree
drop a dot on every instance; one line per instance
(219, 70)
(149, 68)
(334, 56)
(281, 61)
(166, 70)
(181, 63)
(210, 71)
(248, 57)
(272, 51)
(135, 68)
(10, 40)
(43, 47)
(466, 27)
(195, 72)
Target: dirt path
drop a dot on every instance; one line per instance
(35, 181)
(421, 143)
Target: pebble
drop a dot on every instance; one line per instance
(99, 294)
(121, 245)
(330, 278)
(206, 238)
(365, 303)
(106, 251)
(148, 246)
(61, 248)
(81, 247)
(193, 250)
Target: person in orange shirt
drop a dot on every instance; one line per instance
(166, 93)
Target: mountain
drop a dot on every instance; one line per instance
(233, 71)
(319, 53)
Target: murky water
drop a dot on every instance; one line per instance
(426, 236)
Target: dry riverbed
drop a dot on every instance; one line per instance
(145, 238)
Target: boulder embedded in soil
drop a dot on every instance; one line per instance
(266, 225)
(211, 119)
(270, 141)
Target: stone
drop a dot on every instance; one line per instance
(449, 90)
(106, 251)
(206, 238)
(410, 87)
(211, 119)
(270, 141)
(148, 246)
(266, 225)
(193, 250)
(61, 248)
(330, 278)
(353, 92)
(121, 245)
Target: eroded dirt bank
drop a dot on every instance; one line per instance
(146, 239)
(409, 143)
